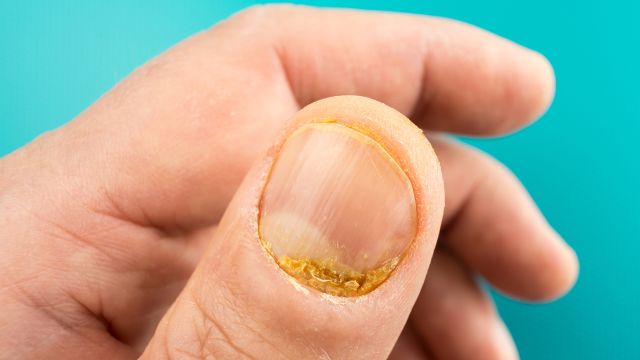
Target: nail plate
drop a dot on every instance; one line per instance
(337, 212)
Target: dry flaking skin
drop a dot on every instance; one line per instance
(337, 212)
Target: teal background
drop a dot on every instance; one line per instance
(580, 162)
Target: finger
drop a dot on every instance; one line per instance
(168, 147)
(294, 270)
(447, 75)
(456, 319)
(492, 224)
(409, 346)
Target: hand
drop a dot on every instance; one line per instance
(111, 237)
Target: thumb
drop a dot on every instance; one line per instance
(324, 248)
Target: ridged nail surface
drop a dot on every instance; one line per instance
(337, 212)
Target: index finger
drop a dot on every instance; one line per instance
(170, 145)
(446, 75)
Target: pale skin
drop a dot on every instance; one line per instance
(112, 245)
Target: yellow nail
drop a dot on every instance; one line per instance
(337, 212)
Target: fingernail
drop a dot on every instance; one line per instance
(337, 212)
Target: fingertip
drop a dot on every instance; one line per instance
(530, 91)
(561, 276)
(544, 85)
(573, 271)
(300, 259)
(557, 271)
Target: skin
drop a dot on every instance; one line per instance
(112, 240)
